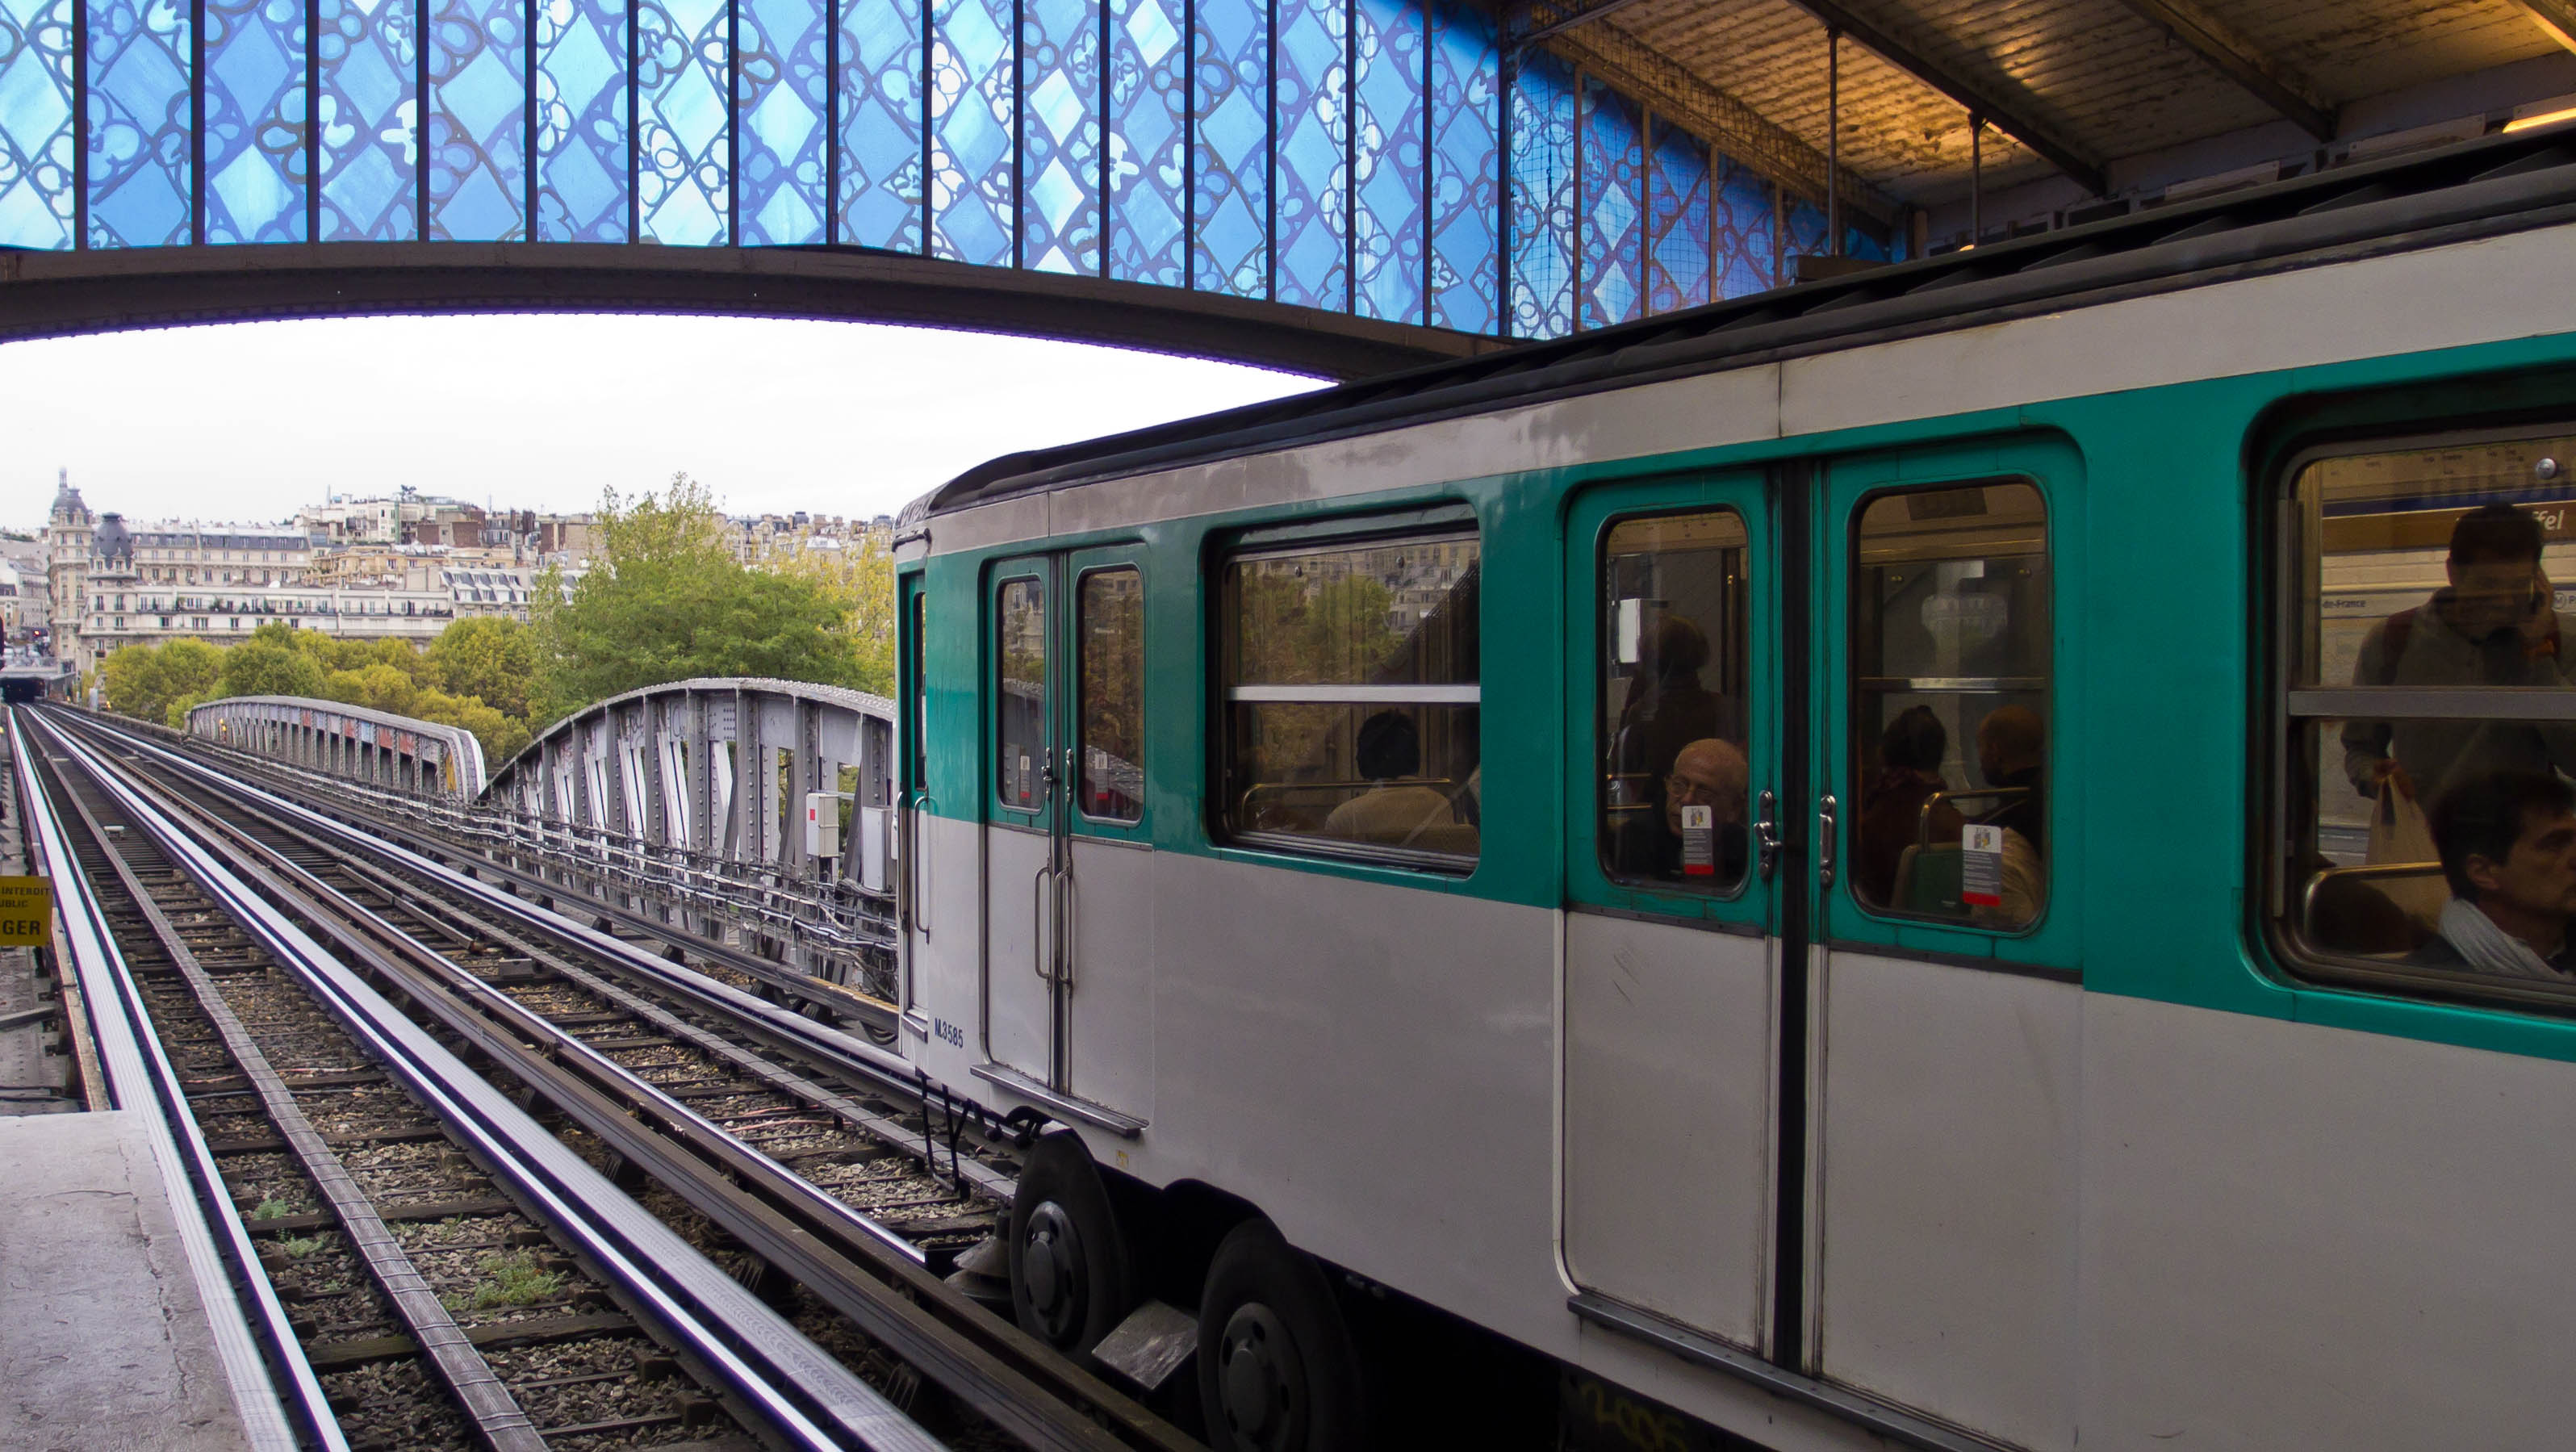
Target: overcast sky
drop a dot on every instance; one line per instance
(248, 421)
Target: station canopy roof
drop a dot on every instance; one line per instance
(2102, 98)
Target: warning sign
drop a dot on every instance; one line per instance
(26, 912)
(1981, 866)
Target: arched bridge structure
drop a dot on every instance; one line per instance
(1338, 186)
(749, 813)
(396, 753)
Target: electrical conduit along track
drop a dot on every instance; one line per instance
(766, 1368)
(853, 1266)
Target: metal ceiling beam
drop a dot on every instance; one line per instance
(1675, 94)
(2232, 55)
(2008, 110)
(2556, 18)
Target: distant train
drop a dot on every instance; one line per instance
(1874, 952)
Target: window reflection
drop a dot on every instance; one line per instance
(1672, 720)
(1111, 605)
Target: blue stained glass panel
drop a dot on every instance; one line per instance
(1230, 148)
(1060, 131)
(1148, 65)
(881, 121)
(1857, 243)
(36, 170)
(1676, 221)
(1613, 208)
(785, 115)
(478, 131)
(683, 186)
(1804, 224)
(369, 58)
(141, 116)
(1465, 198)
(254, 147)
(582, 142)
(1541, 116)
(1386, 153)
(973, 131)
(1747, 229)
(1313, 204)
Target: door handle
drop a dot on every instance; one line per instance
(1826, 808)
(1038, 924)
(1766, 832)
(1072, 899)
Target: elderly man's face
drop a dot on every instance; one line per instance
(1702, 779)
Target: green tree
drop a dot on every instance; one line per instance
(665, 600)
(860, 580)
(487, 657)
(263, 667)
(144, 681)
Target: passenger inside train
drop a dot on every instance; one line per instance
(1906, 803)
(1396, 810)
(2508, 849)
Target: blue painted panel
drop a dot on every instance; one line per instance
(256, 168)
(683, 178)
(1230, 148)
(583, 149)
(369, 55)
(881, 124)
(1313, 203)
(36, 164)
(973, 126)
(1613, 260)
(1466, 195)
(1387, 221)
(1060, 134)
(142, 116)
(1676, 222)
(783, 105)
(1747, 227)
(1857, 243)
(1148, 140)
(1542, 199)
(478, 120)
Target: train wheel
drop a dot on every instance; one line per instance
(1071, 1281)
(1277, 1372)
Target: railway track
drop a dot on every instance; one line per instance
(782, 1147)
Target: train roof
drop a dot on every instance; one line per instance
(2479, 188)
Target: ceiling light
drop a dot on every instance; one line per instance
(2542, 113)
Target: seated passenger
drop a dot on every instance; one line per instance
(1711, 774)
(1393, 812)
(1665, 709)
(1891, 819)
(2508, 845)
(2012, 747)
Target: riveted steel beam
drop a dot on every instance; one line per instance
(1675, 94)
(2229, 53)
(2008, 108)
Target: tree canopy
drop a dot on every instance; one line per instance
(664, 600)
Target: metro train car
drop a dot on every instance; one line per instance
(1890, 946)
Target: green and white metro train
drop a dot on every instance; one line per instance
(1447, 842)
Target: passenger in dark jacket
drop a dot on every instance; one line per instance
(1909, 756)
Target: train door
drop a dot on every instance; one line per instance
(1671, 960)
(1941, 1021)
(1068, 978)
(912, 795)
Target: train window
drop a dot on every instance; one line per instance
(1350, 698)
(1020, 646)
(1672, 719)
(1950, 662)
(2425, 825)
(1111, 609)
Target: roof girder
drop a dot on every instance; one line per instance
(1673, 92)
(2008, 111)
(2557, 18)
(2228, 52)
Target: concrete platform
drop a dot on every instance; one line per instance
(104, 1337)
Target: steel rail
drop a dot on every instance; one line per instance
(1028, 1389)
(844, 1054)
(498, 1418)
(256, 1345)
(812, 1399)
